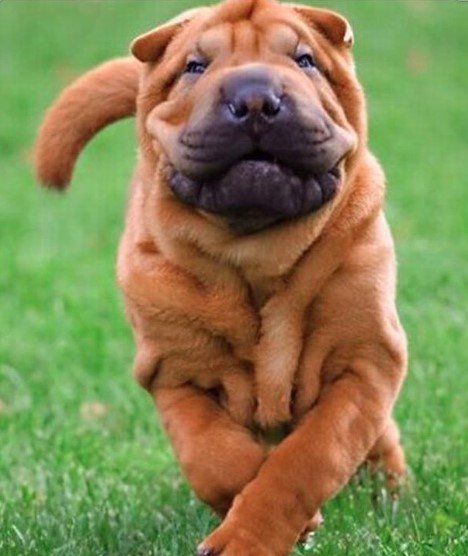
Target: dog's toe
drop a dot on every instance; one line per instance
(205, 552)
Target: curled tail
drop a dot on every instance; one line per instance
(98, 98)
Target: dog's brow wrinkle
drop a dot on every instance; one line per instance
(281, 38)
(298, 43)
(245, 36)
(201, 52)
(257, 41)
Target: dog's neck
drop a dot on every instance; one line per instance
(266, 259)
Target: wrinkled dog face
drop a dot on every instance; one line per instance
(250, 127)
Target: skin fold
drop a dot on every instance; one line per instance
(256, 264)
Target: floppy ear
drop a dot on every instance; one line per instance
(150, 46)
(332, 25)
(99, 97)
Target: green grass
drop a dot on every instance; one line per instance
(82, 479)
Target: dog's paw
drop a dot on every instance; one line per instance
(272, 413)
(316, 522)
(228, 540)
(241, 411)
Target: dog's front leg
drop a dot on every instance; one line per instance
(313, 463)
(278, 353)
(217, 455)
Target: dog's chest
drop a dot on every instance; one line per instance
(261, 290)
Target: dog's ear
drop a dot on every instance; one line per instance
(333, 26)
(150, 46)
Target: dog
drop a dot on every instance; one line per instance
(257, 266)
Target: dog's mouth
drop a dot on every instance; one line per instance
(257, 191)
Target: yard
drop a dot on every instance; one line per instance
(84, 466)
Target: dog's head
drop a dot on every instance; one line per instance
(252, 109)
(250, 112)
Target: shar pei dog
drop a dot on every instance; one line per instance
(257, 266)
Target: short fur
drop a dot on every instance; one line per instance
(293, 324)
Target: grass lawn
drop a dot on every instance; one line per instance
(84, 467)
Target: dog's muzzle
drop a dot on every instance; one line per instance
(254, 194)
(258, 161)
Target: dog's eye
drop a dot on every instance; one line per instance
(306, 61)
(195, 66)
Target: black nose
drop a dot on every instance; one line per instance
(252, 94)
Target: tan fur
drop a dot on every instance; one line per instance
(294, 324)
